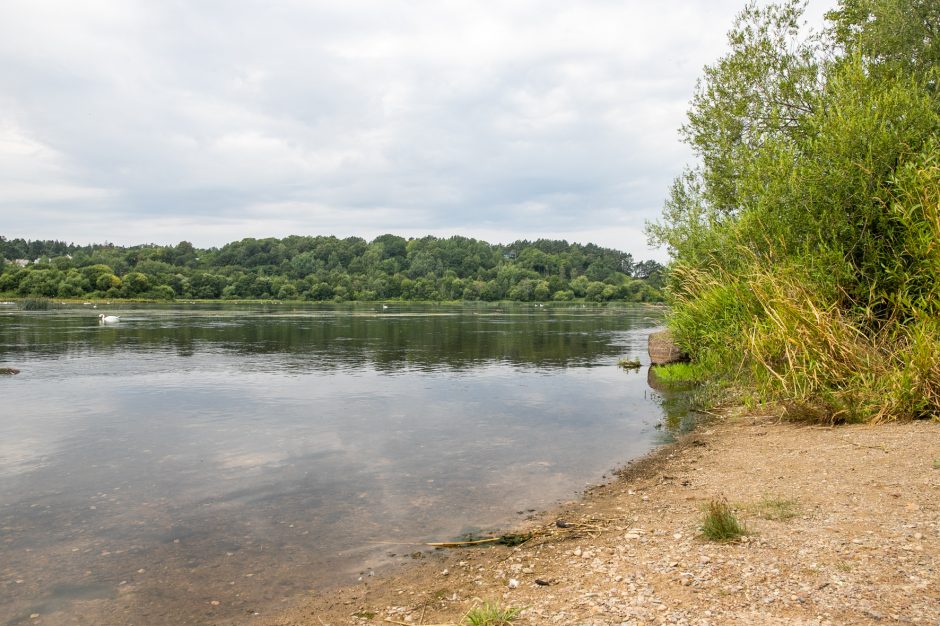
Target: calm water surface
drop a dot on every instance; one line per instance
(240, 456)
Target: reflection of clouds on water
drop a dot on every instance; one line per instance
(24, 454)
(262, 436)
(41, 418)
(254, 460)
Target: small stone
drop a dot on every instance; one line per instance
(577, 551)
(705, 559)
(445, 572)
(542, 583)
(215, 603)
(513, 583)
(141, 570)
(33, 615)
(918, 536)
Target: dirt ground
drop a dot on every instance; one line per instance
(843, 529)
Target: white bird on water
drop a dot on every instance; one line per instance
(108, 319)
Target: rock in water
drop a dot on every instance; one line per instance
(664, 350)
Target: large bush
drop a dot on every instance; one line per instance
(805, 242)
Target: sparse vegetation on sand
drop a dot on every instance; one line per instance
(719, 522)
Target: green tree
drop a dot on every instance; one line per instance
(797, 241)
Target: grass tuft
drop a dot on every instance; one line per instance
(679, 373)
(776, 509)
(491, 614)
(629, 364)
(720, 523)
(367, 615)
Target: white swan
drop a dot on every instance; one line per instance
(108, 319)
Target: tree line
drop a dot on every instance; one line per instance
(327, 268)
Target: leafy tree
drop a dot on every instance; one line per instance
(315, 268)
(798, 241)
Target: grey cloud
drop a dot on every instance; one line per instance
(194, 120)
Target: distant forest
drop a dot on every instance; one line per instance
(330, 269)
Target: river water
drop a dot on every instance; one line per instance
(200, 464)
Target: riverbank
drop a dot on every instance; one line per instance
(844, 529)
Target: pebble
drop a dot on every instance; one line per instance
(513, 583)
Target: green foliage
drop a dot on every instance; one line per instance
(629, 364)
(805, 257)
(491, 614)
(719, 522)
(332, 269)
(679, 373)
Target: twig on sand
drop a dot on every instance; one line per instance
(859, 445)
(391, 621)
(461, 544)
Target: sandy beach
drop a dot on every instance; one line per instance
(843, 529)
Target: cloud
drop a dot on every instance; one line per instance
(131, 121)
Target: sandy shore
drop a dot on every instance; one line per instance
(844, 529)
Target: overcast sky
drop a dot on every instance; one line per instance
(209, 121)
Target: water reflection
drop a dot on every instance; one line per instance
(315, 339)
(186, 456)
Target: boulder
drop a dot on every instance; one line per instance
(664, 350)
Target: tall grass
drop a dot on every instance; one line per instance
(774, 330)
(35, 304)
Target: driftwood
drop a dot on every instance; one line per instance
(664, 350)
(8, 371)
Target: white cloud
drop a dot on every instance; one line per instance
(184, 120)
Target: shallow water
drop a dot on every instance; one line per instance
(199, 464)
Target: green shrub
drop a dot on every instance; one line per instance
(720, 524)
(491, 614)
(805, 266)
